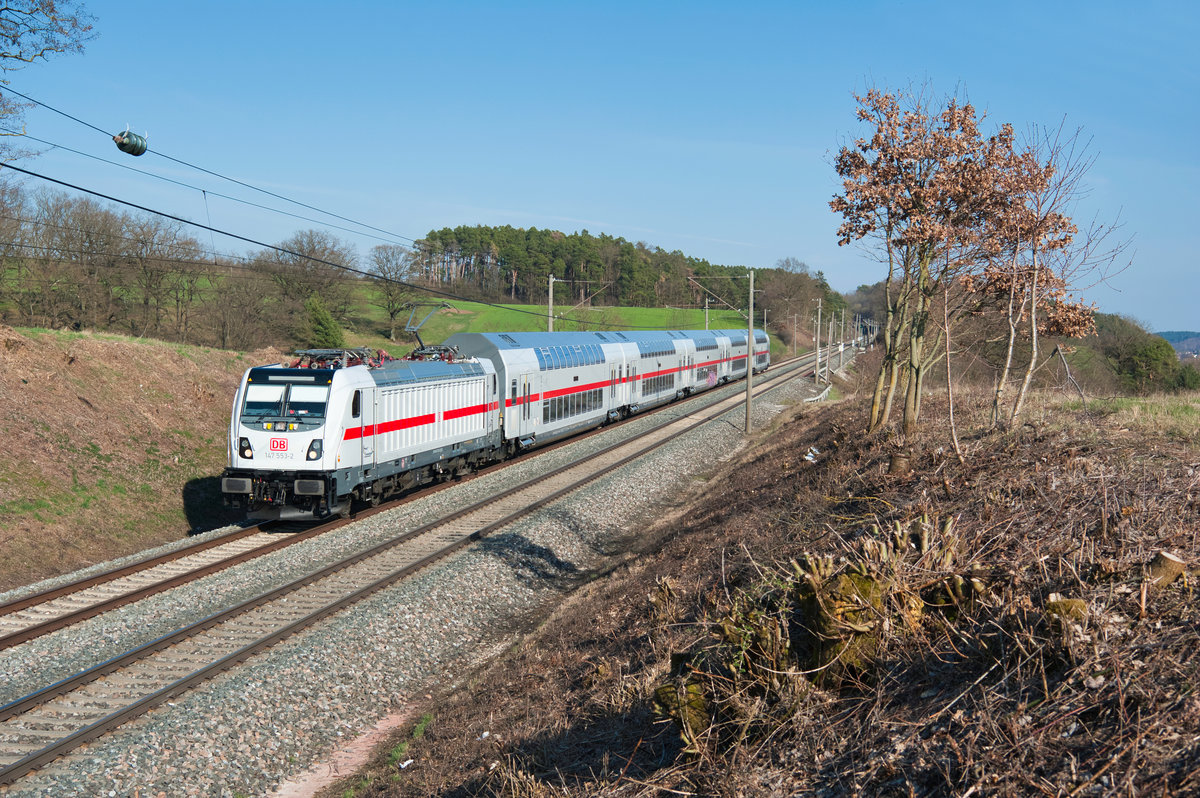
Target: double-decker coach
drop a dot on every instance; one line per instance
(556, 384)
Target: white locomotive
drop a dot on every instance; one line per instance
(308, 438)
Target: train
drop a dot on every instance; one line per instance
(310, 437)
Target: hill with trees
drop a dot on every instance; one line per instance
(1184, 342)
(75, 263)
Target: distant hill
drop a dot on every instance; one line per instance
(1184, 342)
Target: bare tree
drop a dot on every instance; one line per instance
(1038, 254)
(310, 262)
(152, 247)
(34, 30)
(73, 251)
(392, 266)
(788, 292)
(790, 264)
(235, 310)
(184, 286)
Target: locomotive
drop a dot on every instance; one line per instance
(334, 426)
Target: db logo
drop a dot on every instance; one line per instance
(279, 444)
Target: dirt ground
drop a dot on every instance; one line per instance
(1018, 644)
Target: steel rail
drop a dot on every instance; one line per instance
(50, 594)
(107, 604)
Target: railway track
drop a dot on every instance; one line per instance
(48, 611)
(29, 617)
(56, 719)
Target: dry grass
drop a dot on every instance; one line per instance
(1010, 644)
(1172, 417)
(111, 445)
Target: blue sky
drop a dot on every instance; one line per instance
(704, 127)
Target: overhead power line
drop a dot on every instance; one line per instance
(203, 190)
(108, 135)
(109, 236)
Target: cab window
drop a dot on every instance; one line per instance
(263, 400)
(307, 400)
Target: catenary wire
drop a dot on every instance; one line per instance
(212, 253)
(205, 191)
(209, 171)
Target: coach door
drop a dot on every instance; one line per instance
(526, 411)
(520, 419)
(493, 402)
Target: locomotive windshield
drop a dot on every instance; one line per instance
(305, 402)
(264, 400)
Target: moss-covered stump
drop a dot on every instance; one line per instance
(685, 704)
(840, 623)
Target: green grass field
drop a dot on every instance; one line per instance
(370, 329)
(1177, 416)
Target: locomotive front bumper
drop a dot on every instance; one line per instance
(279, 495)
(260, 487)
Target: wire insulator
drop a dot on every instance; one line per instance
(131, 143)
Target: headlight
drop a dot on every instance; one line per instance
(314, 450)
(244, 448)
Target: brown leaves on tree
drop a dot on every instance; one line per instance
(948, 205)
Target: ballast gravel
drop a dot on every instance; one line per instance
(246, 732)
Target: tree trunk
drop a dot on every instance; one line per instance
(949, 379)
(916, 353)
(1013, 315)
(1033, 338)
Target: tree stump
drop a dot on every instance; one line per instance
(1164, 569)
(841, 625)
(686, 705)
(1067, 609)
